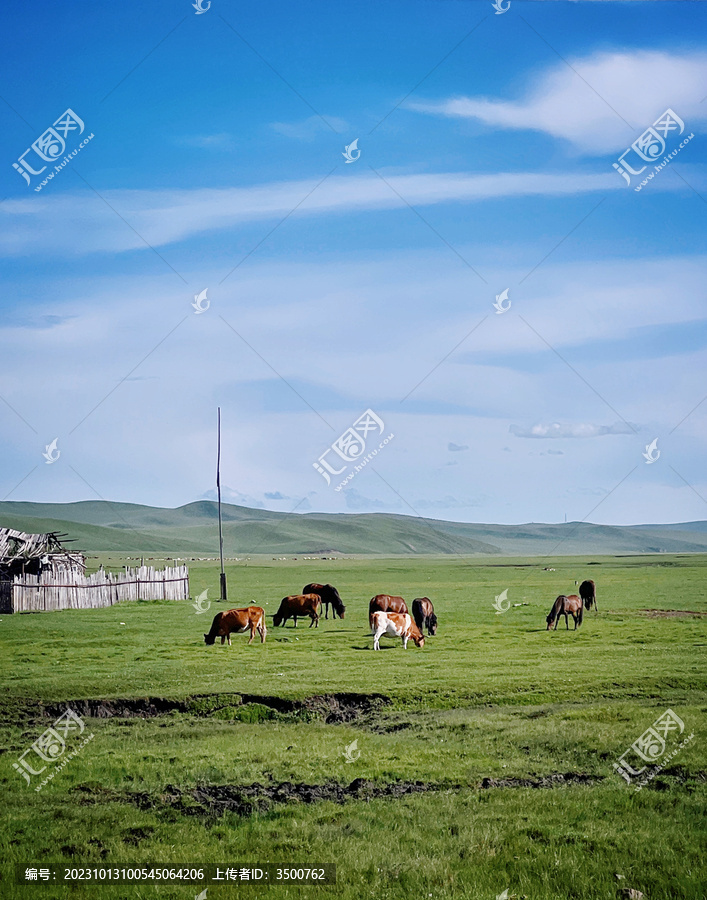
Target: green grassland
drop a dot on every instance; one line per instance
(492, 705)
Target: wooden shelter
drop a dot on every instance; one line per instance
(34, 554)
(38, 574)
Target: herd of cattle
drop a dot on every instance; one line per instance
(387, 615)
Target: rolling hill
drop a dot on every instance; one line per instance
(100, 526)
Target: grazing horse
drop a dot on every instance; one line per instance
(588, 593)
(396, 625)
(564, 606)
(252, 619)
(328, 594)
(385, 603)
(424, 614)
(297, 606)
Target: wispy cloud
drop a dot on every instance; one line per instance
(359, 503)
(616, 98)
(163, 217)
(456, 448)
(308, 129)
(228, 495)
(574, 430)
(222, 141)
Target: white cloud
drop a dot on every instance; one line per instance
(222, 141)
(358, 503)
(574, 430)
(237, 498)
(163, 217)
(139, 445)
(589, 111)
(308, 129)
(455, 448)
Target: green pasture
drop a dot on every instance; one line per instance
(491, 696)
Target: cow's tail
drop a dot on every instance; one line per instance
(262, 627)
(371, 621)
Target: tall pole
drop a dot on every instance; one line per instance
(224, 593)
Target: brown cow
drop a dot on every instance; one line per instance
(385, 603)
(252, 619)
(328, 594)
(396, 625)
(424, 614)
(297, 606)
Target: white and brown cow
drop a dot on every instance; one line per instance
(399, 625)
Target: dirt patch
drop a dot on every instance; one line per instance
(339, 708)
(331, 708)
(670, 613)
(213, 800)
(546, 781)
(141, 708)
(246, 799)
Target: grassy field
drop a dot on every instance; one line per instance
(462, 744)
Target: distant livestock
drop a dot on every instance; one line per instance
(395, 625)
(328, 594)
(588, 593)
(297, 606)
(238, 621)
(385, 603)
(424, 614)
(564, 606)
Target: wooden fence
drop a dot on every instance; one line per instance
(40, 593)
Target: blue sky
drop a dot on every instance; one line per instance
(486, 148)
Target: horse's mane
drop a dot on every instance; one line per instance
(556, 609)
(336, 600)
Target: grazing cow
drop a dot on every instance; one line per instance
(252, 619)
(328, 594)
(588, 593)
(385, 603)
(297, 606)
(564, 606)
(424, 614)
(396, 625)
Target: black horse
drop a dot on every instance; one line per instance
(424, 614)
(588, 593)
(327, 594)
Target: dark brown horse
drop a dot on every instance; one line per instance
(385, 603)
(588, 593)
(297, 606)
(564, 606)
(328, 594)
(424, 614)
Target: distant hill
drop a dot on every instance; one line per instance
(99, 526)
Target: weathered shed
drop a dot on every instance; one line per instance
(34, 554)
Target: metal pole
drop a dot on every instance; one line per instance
(224, 592)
